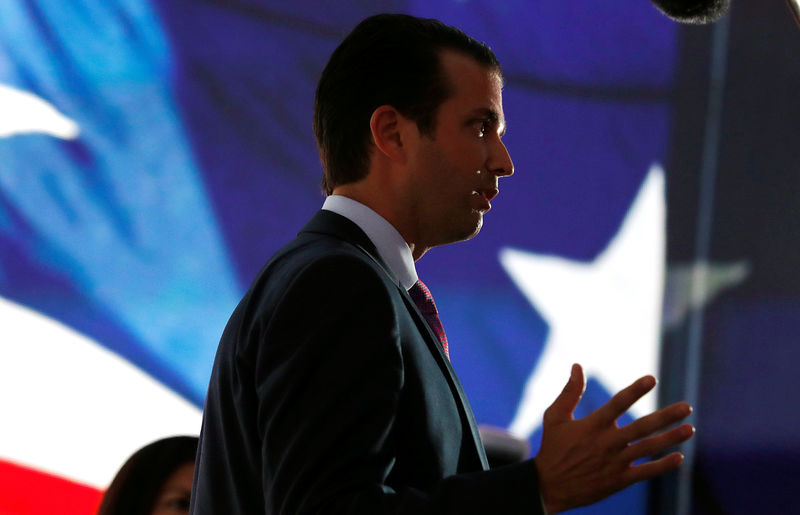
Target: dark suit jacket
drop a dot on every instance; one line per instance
(330, 394)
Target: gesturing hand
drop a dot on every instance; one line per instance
(583, 461)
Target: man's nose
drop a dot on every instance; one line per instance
(500, 162)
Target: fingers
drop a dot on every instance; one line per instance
(656, 444)
(654, 422)
(624, 399)
(654, 468)
(566, 402)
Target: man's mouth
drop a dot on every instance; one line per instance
(489, 193)
(485, 197)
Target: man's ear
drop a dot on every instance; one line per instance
(388, 127)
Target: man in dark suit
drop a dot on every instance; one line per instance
(332, 391)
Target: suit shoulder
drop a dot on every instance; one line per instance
(321, 259)
(312, 271)
(320, 285)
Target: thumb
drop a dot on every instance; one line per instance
(566, 402)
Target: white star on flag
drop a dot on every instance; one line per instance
(604, 314)
(25, 113)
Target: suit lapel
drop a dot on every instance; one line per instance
(327, 222)
(468, 418)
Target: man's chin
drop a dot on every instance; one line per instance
(470, 231)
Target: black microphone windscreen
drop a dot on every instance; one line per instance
(693, 11)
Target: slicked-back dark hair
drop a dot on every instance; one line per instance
(388, 59)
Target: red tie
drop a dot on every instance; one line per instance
(421, 296)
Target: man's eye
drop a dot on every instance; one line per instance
(483, 126)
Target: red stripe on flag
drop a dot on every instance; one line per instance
(24, 491)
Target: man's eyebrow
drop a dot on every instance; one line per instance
(485, 112)
(492, 116)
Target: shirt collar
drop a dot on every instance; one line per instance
(392, 248)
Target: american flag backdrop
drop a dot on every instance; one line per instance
(153, 154)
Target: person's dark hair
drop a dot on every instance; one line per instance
(134, 489)
(388, 59)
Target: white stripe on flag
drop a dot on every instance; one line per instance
(73, 408)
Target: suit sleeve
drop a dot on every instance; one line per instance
(329, 375)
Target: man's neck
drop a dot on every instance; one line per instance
(387, 209)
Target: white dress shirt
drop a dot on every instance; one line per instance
(392, 248)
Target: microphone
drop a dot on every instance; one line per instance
(697, 12)
(503, 448)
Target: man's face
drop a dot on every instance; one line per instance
(456, 169)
